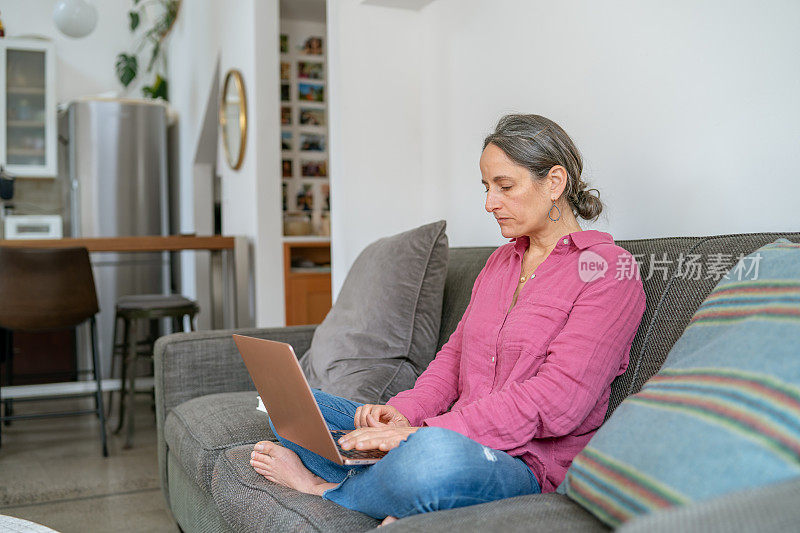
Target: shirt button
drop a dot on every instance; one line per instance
(492, 359)
(532, 276)
(566, 241)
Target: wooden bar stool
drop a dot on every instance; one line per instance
(130, 310)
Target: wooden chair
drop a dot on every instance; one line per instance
(49, 289)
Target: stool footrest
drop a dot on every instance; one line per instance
(71, 388)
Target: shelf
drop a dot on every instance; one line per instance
(26, 124)
(25, 151)
(26, 90)
(310, 270)
(300, 239)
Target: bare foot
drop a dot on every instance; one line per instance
(283, 466)
(388, 520)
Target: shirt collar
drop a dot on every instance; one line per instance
(581, 239)
(590, 237)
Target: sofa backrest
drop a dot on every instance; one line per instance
(672, 293)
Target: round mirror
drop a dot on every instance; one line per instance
(233, 118)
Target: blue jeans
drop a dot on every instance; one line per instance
(433, 469)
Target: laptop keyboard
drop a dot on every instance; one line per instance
(354, 454)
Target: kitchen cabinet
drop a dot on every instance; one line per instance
(28, 107)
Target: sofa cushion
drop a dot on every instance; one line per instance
(553, 513)
(723, 413)
(382, 331)
(198, 430)
(671, 305)
(251, 503)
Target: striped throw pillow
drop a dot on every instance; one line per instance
(723, 413)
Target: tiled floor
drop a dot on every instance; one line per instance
(52, 472)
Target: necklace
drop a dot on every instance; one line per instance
(529, 277)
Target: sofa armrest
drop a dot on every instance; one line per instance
(188, 365)
(194, 364)
(770, 509)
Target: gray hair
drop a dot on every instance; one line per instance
(539, 144)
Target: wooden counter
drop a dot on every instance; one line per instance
(170, 243)
(229, 296)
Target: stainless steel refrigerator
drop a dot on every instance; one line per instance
(113, 164)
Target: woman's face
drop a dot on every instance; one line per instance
(518, 203)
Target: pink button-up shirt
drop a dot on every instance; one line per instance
(535, 381)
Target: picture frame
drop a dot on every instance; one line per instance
(312, 142)
(286, 70)
(305, 197)
(310, 92)
(325, 191)
(286, 141)
(286, 115)
(312, 46)
(310, 70)
(314, 168)
(312, 116)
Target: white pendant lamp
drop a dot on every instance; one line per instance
(75, 18)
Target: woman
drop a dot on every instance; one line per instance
(524, 381)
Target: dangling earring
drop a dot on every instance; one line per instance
(551, 210)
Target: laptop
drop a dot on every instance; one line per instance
(290, 403)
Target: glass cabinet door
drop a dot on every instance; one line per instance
(25, 107)
(29, 143)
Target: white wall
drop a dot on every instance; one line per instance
(686, 112)
(245, 38)
(84, 66)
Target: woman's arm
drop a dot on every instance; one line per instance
(582, 361)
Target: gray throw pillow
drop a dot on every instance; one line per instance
(383, 330)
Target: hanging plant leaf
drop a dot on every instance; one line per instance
(134, 16)
(127, 67)
(168, 19)
(157, 90)
(154, 56)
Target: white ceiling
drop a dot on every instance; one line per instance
(311, 10)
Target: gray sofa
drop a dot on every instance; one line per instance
(207, 422)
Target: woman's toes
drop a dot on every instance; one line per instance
(388, 520)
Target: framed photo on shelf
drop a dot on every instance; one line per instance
(310, 92)
(326, 197)
(284, 186)
(286, 70)
(314, 168)
(312, 46)
(284, 43)
(311, 70)
(305, 197)
(310, 116)
(312, 142)
(286, 115)
(285, 92)
(287, 168)
(286, 140)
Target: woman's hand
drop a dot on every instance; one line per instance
(369, 415)
(382, 438)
